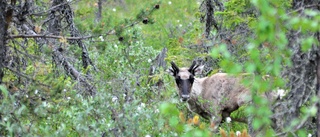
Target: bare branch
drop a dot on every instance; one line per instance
(73, 72)
(48, 36)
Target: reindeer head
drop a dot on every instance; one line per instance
(184, 78)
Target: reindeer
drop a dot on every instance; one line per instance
(214, 97)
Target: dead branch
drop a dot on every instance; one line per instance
(60, 59)
(48, 36)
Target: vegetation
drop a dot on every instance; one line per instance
(98, 68)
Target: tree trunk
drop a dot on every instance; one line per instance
(318, 95)
(302, 78)
(5, 19)
(3, 34)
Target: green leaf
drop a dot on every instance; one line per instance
(173, 121)
(306, 44)
(4, 91)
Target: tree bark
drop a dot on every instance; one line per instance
(302, 77)
(6, 13)
(55, 26)
(318, 96)
(3, 34)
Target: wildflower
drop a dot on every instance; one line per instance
(223, 133)
(195, 120)
(228, 119)
(138, 108)
(68, 98)
(44, 104)
(238, 133)
(142, 105)
(36, 91)
(114, 9)
(189, 121)
(232, 134)
(212, 125)
(149, 60)
(244, 133)
(147, 136)
(281, 93)
(156, 111)
(182, 117)
(114, 98)
(202, 126)
(309, 135)
(169, 2)
(101, 38)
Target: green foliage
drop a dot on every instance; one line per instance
(268, 52)
(124, 44)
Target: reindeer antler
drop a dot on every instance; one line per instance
(175, 68)
(193, 67)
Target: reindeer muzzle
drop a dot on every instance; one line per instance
(185, 97)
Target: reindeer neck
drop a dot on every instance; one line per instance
(197, 87)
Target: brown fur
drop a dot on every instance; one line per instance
(214, 97)
(221, 95)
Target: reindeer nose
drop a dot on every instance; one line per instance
(185, 97)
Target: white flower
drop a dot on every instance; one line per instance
(228, 119)
(36, 91)
(178, 21)
(114, 98)
(149, 60)
(142, 105)
(169, 2)
(281, 93)
(309, 135)
(44, 104)
(27, 96)
(114, 9)
(147, 136)
(212, 118)
(180, 25)
(238, 133)
(101, 38)
(68, 98)
(115, 45)
(64, 90)
(138, 108)
(156, 111)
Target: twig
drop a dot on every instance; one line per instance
(48, 36)
(111, 32)
(302, 8)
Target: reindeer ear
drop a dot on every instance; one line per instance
(171, 71)
(198, 70)
(195, 69)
